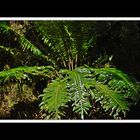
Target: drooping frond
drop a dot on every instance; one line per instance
(118, 81)
(111, 100)
(23, 42)
(25, 73)
(114, 90)
(27, 45)
(55, 96)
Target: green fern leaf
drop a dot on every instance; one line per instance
(78, 93)
(27, 45)
(120, 80)
(55, 96)
(111, 100)
(5, 29)
(23, 42)
(113, 89)
(25, 73)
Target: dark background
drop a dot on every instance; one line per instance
(88, 9)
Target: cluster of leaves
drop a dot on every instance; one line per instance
(65, 45)
(115, 92)
(69, 40)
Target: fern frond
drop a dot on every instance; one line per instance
(111, 100)
(21, 39)
(78, 93)
(55, 96)
(114, 90)
(52, 40)
(25, 73)
(118, 80)
(67, 40)
(5, 29)
(69, 88)
(27, 45)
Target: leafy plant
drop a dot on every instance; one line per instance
(109, 86)
(54, 98)
(23, 42)
(64, 46)
(25, 74)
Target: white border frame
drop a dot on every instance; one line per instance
(73, 18)
(76, 19)
(69, 121)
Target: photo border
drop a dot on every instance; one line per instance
(72, 19)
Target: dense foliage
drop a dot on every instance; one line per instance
(67, 70)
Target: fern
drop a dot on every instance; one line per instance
(113, 89)
(78, 93)
(119, 81)
(111, 100)
(23, 42)
(53, 41)
(55, 96)
(66, 39)
(27, 45)
(67, 46)
(5, 29)
(25, 73)
(71, 88)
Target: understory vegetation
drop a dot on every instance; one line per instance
(69, 69)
